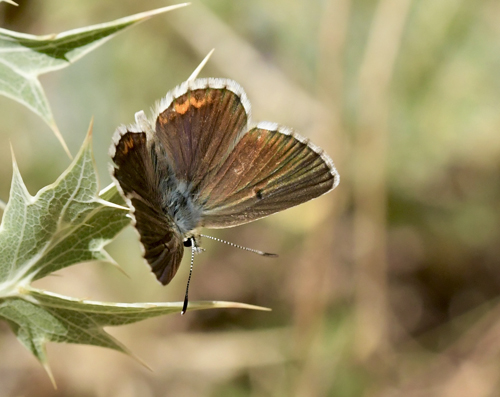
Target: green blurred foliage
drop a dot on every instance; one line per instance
(408, 258)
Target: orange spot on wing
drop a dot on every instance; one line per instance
(198, 103)
(162, 119)
(128, 143)
(182, 108)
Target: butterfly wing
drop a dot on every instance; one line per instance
(139, 171)
(197, 161)
(270, 169)
(198, 125)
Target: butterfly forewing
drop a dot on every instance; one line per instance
(139, 171)
(199, 129)
(268, 171)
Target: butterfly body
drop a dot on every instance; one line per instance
(196, 163)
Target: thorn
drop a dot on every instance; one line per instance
(14, 162)
(200, 66)
(50, 375)
(61, 139)
(91, 126)
(141, 361)
(107, 188)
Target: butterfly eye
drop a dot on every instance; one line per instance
(188, 242)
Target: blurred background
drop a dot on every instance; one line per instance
(387, 286)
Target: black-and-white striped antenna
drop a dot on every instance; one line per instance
(185, 305)
(191, 243)
(240, 246)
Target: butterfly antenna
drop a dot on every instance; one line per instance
(185, 305)
(241, 247)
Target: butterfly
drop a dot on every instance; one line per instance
(197, 163)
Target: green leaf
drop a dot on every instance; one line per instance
(23, 57)
(38, 317)
(64, 224)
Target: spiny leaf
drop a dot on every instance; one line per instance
(63, 224)
(38, 317)
(23, 57)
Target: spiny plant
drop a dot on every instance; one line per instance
(67, 222)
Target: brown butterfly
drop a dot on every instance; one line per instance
(196, 163)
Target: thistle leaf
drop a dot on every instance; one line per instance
(23, 57)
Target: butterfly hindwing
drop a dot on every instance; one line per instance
(270, 169)
(139, 172)
(236, 176)
(163, 247)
